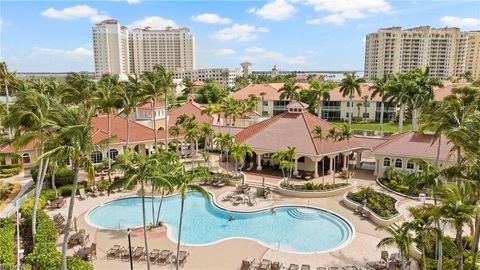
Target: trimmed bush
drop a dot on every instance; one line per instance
(7, 243)
(67, 190)
(63, 176)
(380, 203)
(10, 170)
(309, 186)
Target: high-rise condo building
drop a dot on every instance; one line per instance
(118, 50)
(448, 52)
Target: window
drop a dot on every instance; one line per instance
(366, 115)
(398, 163)
(410, 165)
(112, 154)
(264, 113)
(386, 162)
(265, 103)
(97, 157)
(26, 158)
(301, 159)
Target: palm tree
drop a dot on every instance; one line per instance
(184, 184)
(30, 113)
(189, 86)
(239, 153)
(317, 133)
(350, 85)
(7, 78)
(130, 96)
(346, 133)
(262, 97)
(163, 177)
(213, 109)
(224, 141)
(423, 229)
(152, 90)
(399, 91)
(175, 131)
(318, 94)
(457, 208)
(423, 91)
(136, 169)
(400, 238)
(207, 132)
(289, 90)
(73, 129)
(79, 90)
(230, 108)
(107, 99)
(359, 106)
(166, 82)
(378, 88)
(334, 136)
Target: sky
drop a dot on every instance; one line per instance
(55, 36)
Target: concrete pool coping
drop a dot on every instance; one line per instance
(212, 198)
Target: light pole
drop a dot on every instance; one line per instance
(129, 233)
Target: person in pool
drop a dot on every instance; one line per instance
(231, 218)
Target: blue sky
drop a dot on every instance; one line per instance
(293, 34)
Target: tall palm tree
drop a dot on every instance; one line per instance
(457, 209)
(399, 90)
(213, 109)
(107, 98)
(189, 86)
(7, 78)
(289, 90)
(152, 90)
(423, 230)
(350, 85)
(317, 133)
(136, 169)
(400, 238)
(166, 79)
(230, 108)
(30, 113)
(423, 91)
(130, 96)
(183, 185)
(318, 94)
(379, 89)
(346, 134)
(163, 177)
(73, 129)
(175, 131)
(207, 133)
(224, 141)
(79, 90)
(334, 136)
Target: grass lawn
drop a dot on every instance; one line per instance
(387, 127)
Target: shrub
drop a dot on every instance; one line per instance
(67, 190)
(6, 190)
(380, 203)
(63, 176)
(7, 242)
(10, 170)
(309, 186)
(103, 185)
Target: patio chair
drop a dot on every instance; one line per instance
(113, 252)
(358, 209)
(265, 265)
(305, 267)
(57, 217)
(384, 255)
(182, 257)
(293, 267)
(124, 255)
(138, 254)
(246, 265)
(251, 199)
(81, 193)
(154, 255)
(93, 251)
(276, 266)
(365, 213)
(252, 164)
(333, 268)
(350, 267)
(164, 256)
(322, 268)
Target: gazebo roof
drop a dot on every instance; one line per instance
(293, 129)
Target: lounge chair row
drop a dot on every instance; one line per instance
(252, 264)
(138, 254)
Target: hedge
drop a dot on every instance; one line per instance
(63, 176)
(309, 186)
(10, 170)
(380, 203)
(7, 243)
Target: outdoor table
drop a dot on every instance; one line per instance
(57, 202)
(83, 253)
(75, 238)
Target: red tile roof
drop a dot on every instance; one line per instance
(138, 132)
(190, 109)
(270, 89)
(293, 129)
(148, 105)
(415, 145)
(441, 92)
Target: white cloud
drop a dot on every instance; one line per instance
(224, 52)
(239, 32)
(275, 10)
(133, 1)
(343, 10)
(453, 21)
(261, 53)
(77, 52)
(154, 22)
(255, 50)
(75, 12)
(338, 18)
(336, 6)
(210, 18)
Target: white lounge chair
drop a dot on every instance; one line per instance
(81, 193)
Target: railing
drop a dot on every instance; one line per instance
(331, 108)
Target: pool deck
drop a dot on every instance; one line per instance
(229, 254)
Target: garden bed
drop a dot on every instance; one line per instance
(398, 188)
(312, 190)
(379, 203)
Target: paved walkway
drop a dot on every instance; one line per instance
(25, 180)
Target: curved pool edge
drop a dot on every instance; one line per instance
(212, 199)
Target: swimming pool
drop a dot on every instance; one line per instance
(289, 228)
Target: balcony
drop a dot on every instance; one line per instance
(331, 108)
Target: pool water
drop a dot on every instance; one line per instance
(288, 228)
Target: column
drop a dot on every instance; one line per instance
(259, 162)
(345, 161)
(315, 174)
(330, 167)
(295, 172)
(359, 158)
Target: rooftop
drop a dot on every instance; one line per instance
(270, 90)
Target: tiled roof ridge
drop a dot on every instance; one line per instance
(262, 126)
(310, 132)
